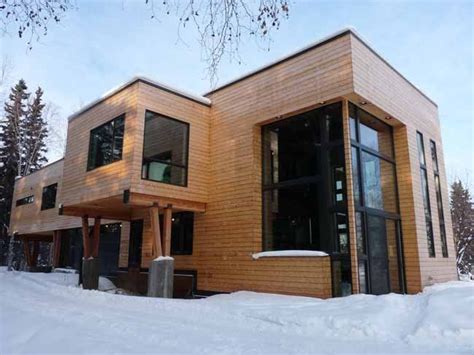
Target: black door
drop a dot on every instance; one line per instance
(378, 255)
(109, 248)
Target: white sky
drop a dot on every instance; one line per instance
(104, 43)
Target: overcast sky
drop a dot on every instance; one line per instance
(104, 43)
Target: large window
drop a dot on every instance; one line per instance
(182, 233)
(25, 200)
(439, 200)
(48, 199)
(426, 194)
(304, 188)
(376, 203)
(165, 151)
(106, 143)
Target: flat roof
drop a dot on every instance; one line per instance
(187, 95)
(318, 43)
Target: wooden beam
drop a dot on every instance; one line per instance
(94, 211)
(86, 237)
(167, 215)
(155, 230)
(144, 200)
(56, 247)
(95, 238)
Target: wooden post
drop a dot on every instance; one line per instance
(167, 215)
(56, 247)
(96, 238)
(26, 250)
(86, 237)
(155, 230)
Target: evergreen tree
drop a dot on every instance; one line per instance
(11, 147)
(461, 213)
(35, 134)
(23, 133)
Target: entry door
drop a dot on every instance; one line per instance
(378, 255)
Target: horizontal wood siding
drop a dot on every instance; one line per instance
(383, 87)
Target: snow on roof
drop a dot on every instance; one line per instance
(313, 45)
(194, 97)
(288, 253)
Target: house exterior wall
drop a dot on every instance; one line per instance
(225, 167)
(382, 86)
(30, 219)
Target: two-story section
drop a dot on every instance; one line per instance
(321, 174)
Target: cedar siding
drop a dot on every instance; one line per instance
(224, 169)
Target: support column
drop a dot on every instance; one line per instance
(27, 251)
(90, 261)
(161, 271)
(56, 248)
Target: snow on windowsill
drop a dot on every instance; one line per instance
(163, 258)
(288, 253)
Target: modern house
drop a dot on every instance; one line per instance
(329, 150)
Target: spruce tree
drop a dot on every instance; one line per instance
(35, 133)
(461, 214)
(11, 147)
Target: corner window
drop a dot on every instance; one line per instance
(425, 195)
(25, 200)
(48, 199)
(106, 143)
(165, 149)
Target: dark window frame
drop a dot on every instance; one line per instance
(95, 129)
(185, 167)
(369, 211)
(324, 178)
(439, 199)
(49, 205)
(426, 193)
(27, 200)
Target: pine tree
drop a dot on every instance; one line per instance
(23, 133)
(35, 133)
(461, 214)
(11, 147)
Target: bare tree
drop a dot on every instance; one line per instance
(31, 18)
(57, 128)
(222, 25)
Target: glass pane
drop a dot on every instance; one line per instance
(421, 148)
(360, 234)
(391, 227)
(291, 148)
(378, 255)
(363, 277)
(341, 278)
(425, 192)
(165, 149)
(430, 238)
(352, 122)
(355, 176)
(333, 117)
(182, 233)
(338, 175)
(291, 218)
(342, 233)
(379, 183)
(119, 126)
(434, 156)
(101, 145)
(48, 199)
(375, 134)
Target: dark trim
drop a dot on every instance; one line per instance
(319, 44)
(126, 196)
(61, 209)
(207, 293)
(187, 149)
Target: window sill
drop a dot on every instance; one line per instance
(289, 254)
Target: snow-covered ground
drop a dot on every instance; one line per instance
(46, 313)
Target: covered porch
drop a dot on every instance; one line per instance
(128, 207)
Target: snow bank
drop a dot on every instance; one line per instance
(41, 313)
(288, 253)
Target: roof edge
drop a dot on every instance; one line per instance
(318, 43)
(184, 94)
(43, 167)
